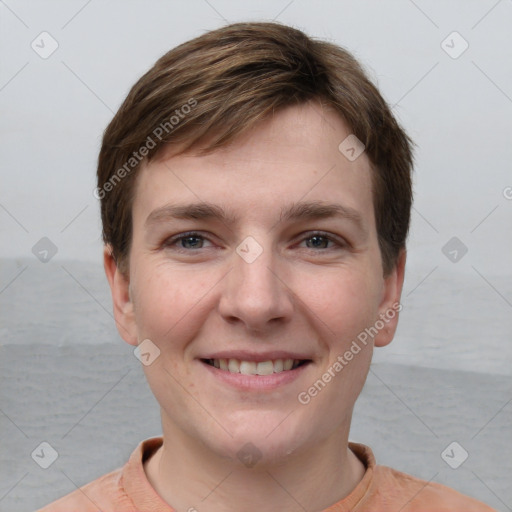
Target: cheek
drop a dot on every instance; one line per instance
(168, 311)
(343, 304)
(165, 306)
(344, 301)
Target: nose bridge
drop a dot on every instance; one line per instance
(253, 293)
(254, 273)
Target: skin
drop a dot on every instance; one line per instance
(301, 294)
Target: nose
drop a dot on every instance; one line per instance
(256, 294)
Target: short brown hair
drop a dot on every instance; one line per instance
(205, 92)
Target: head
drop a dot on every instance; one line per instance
(297, 250)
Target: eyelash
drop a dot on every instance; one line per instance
(169, 243)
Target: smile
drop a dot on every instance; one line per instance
(256, 368)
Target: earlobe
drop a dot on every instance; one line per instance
(121, 298)
(390, 305)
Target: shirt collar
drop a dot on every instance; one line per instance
(144, 496)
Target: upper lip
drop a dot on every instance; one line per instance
(257, 357)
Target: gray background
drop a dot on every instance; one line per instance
(66, 376)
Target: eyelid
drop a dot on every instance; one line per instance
(340, 242)
(173, 240)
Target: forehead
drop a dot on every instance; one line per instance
(291, 157)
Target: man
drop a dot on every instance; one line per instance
(255, 197)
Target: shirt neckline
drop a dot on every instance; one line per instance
(144, 496)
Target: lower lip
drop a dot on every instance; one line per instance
(256, 382)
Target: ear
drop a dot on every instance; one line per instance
(390, 304)
(120, 290)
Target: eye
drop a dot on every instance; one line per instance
(185, 241)
(320, 240)
(193, 241)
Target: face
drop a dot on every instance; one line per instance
(253, 270)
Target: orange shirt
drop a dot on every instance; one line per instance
(382, 489)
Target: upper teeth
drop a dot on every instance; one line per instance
(254, 368)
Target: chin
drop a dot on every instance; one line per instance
(265, 439)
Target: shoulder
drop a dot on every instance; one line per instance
(105, 493)
(417, 495)
(116, 490)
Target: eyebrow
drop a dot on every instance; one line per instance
(301, 211)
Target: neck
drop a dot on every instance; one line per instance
(188, 476)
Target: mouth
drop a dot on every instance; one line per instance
(262, 368)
